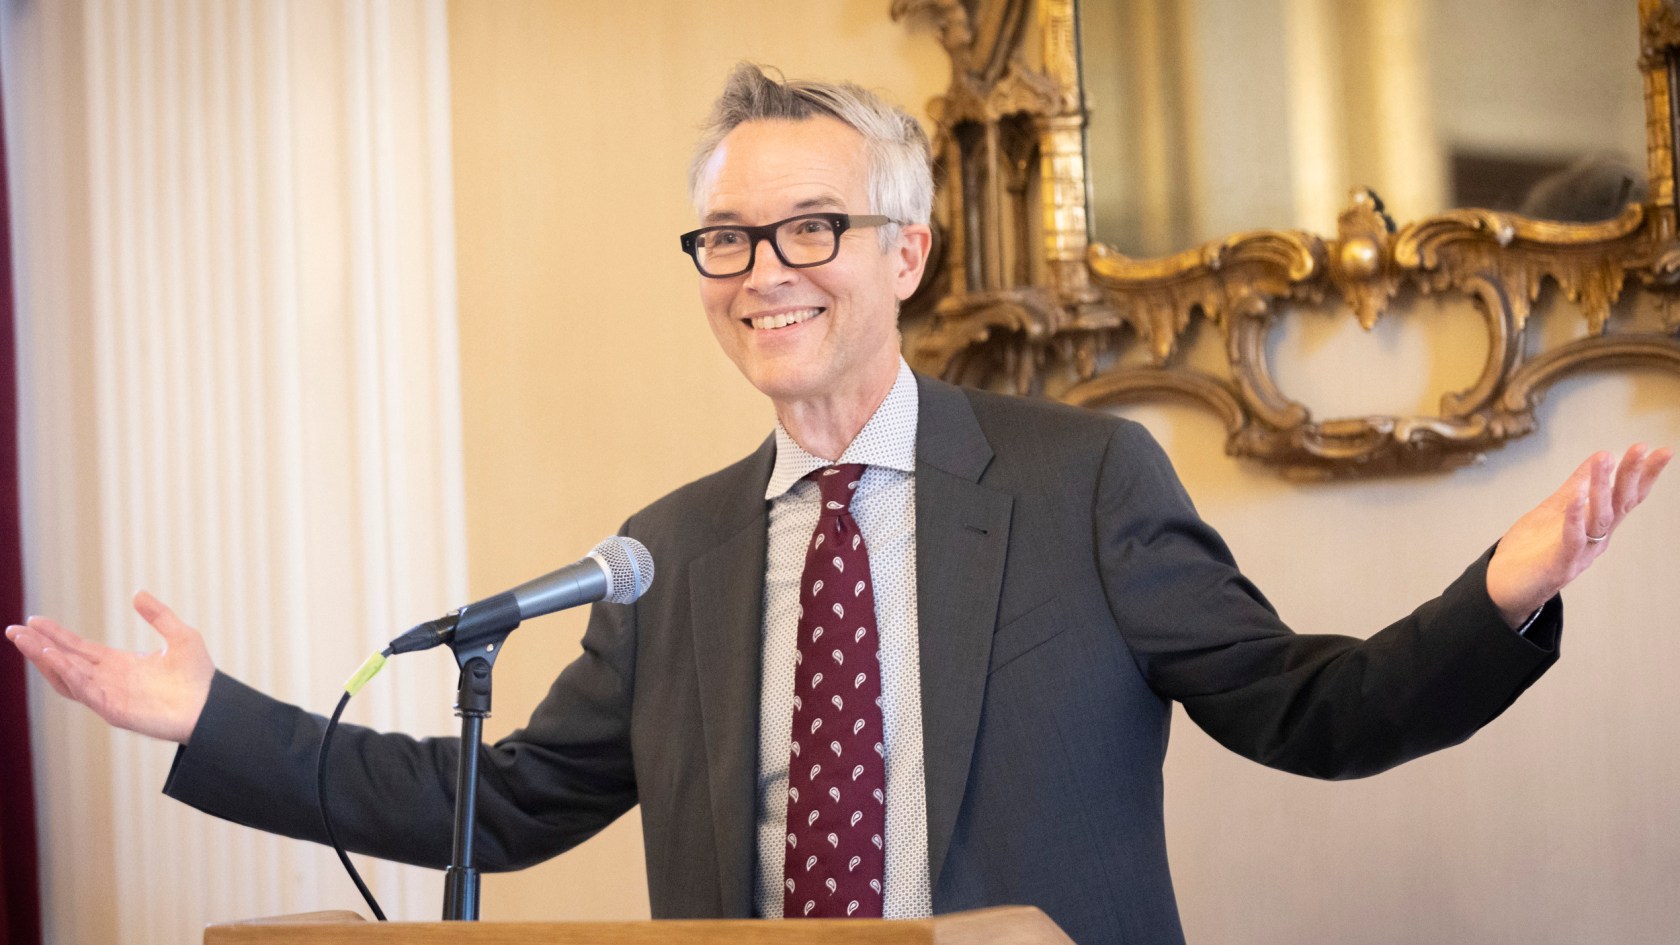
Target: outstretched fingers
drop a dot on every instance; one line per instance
(1636, 475)
(1621, 487)
(1613, 489)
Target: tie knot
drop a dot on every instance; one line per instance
(838, 485)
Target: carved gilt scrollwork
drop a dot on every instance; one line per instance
(1029, 307)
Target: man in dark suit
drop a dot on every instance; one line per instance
(1040, 588)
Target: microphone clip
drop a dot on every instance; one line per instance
(480, 628)
(475, 631)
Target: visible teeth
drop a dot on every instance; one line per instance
(783, 320)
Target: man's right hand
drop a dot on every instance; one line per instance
(159, 694)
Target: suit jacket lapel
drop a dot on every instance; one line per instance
(726, 593)
(962, 535)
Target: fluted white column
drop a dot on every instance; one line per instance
(235, 253)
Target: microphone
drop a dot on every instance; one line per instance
(617, 571)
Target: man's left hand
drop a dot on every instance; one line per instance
(1556, 541)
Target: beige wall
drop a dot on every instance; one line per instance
(591, 386)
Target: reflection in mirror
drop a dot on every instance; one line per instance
(1213, 116)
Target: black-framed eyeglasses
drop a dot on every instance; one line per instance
(800, 242)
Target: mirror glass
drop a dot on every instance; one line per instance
(1209, 117)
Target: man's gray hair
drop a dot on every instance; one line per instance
(900, 178)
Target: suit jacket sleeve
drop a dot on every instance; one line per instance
(543, 789)
(1320, 705)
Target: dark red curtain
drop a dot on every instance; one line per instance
(20, 888)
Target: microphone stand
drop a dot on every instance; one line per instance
(478, 634)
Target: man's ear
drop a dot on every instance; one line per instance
(915, 241)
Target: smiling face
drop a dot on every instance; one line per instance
(826, 336)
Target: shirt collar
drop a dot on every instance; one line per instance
(888, 439)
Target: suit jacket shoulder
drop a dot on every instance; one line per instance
(1040, 439)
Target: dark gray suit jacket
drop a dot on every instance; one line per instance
(1067, 592)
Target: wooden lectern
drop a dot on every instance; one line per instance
(1005, 925)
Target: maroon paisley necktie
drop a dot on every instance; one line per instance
(837, 780)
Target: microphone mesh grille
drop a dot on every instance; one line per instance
(630, 568)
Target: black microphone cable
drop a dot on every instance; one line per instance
(353, 685)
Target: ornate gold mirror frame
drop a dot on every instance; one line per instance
(1019, 300)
